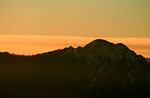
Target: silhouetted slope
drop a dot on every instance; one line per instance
(148, 59)
(99, 69)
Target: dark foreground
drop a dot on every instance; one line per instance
(98, 70)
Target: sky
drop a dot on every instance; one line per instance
(75, 19)
(34, 44)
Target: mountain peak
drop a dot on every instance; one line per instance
(98, 42)
(103, 49)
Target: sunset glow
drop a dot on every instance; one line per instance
(37, 26)
(29, 45)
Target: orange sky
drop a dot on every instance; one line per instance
(33, 44)
(28, 26)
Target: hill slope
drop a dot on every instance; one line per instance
(99, 69)
(148, 59)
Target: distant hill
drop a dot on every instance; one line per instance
(100, 69)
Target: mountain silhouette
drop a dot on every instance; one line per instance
(100, 69)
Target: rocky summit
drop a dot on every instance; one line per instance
(100, 69)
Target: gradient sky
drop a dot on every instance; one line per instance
(113, 18)
(35, 26)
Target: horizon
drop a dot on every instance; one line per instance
(36, 44)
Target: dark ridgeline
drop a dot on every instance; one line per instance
(98, 70)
